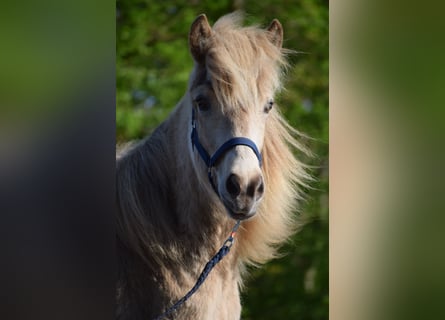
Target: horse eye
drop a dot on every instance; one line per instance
(202, 103)
(268, 106)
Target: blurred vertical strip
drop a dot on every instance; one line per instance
(387, 121)
(57, 146)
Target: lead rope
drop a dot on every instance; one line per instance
(223, 251)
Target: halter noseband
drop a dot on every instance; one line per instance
(211, 160)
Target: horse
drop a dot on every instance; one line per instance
(175, 209)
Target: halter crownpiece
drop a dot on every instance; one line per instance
(211, 160)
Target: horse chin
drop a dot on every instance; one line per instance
(241, 216)
(238, 215)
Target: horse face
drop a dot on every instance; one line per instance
(236, 175)
(231, 92)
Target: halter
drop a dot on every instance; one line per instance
(211, 160)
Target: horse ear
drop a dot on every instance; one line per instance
(276, 33)
(200, 33)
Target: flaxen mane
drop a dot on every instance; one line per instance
(170, 222)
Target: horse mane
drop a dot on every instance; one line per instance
(275, 220)
(144, 173)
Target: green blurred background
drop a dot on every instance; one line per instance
(153, 66)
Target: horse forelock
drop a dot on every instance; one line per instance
(242, 64)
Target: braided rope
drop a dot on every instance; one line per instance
(223, 251)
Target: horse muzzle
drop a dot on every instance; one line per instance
(242, 197)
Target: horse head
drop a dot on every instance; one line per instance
(230, 95)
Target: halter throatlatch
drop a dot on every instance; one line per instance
(211, 160)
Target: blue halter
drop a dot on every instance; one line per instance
(211, 160)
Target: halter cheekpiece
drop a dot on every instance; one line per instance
(211, 160)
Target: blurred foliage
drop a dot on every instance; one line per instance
(153, 66)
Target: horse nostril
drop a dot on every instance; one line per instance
(256, 188)
(233, 185)
(260, 189)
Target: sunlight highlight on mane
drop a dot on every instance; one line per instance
(276, 218)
